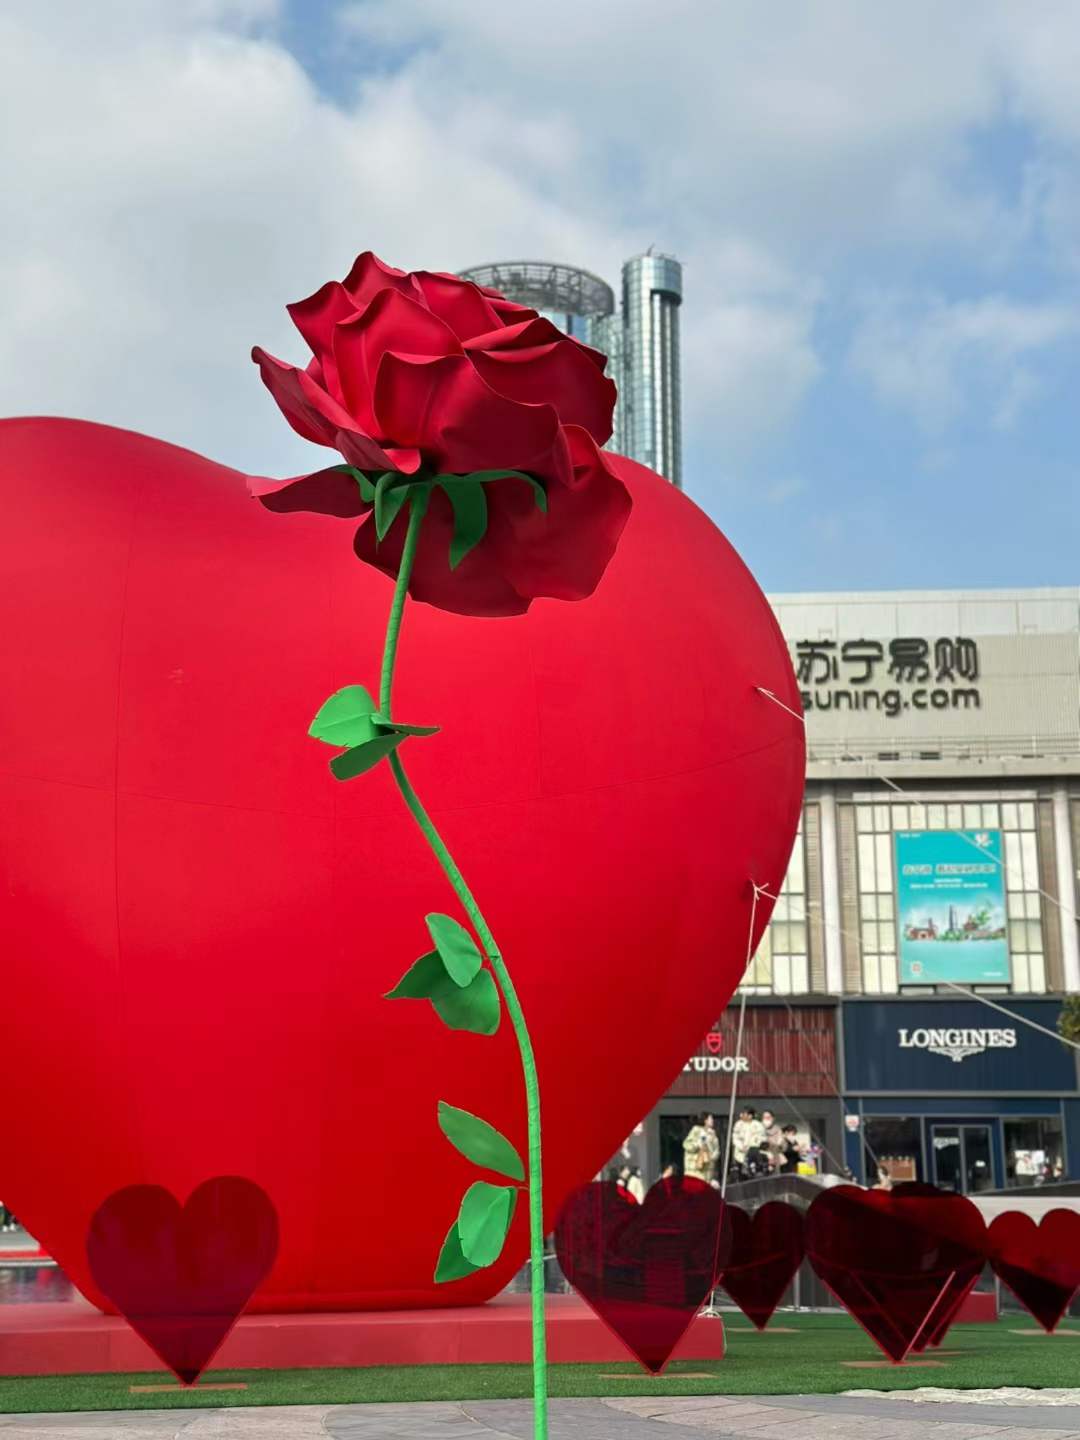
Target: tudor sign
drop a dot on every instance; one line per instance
(713, 1063)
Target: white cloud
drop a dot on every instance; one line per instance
(172, 177)
(934, 359)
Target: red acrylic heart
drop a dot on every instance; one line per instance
(766, 1252)
(896, 1259)
(210, 920)
(181, 1275)
(645, 1269)
(1040, 1263)
(949, 1303)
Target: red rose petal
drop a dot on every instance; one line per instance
(529, 331)
(458, 302)
(476, 587)
(564, 553)
(315, 318)
(326, 492)
(509, 311)
(310, 411)
(560, 372)
(446, 410)
(394, 321)
(369, 275)
(317, 416)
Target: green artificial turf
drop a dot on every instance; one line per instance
(801, 1355)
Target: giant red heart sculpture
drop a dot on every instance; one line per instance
(181, 1275)
(766, 1251)
(896, 1260)
(1040, 1262)
(198, 922)
(645, 1269)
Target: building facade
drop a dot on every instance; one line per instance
(639, 335)
(937, 861)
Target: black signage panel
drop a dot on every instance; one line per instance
(918, 1046)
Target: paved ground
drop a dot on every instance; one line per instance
(788, 1417)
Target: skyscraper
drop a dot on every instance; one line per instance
(640, 338)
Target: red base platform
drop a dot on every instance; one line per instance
(75, 1339)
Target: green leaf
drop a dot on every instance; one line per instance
(422, 980)
(480, 1142)
(381, 723)
(470, 519)
(452, 1263)
(390, 495)
(474, 1007)
(483, 1221)
(363, 757)
(484, 477)
(367, 489)
(346, 718)
(456, 946)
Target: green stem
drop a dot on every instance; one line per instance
(418, 501)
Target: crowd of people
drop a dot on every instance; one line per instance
(759, 1146)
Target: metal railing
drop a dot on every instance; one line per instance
(885, 749)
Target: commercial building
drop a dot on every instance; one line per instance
(639, 335)
(936, 861)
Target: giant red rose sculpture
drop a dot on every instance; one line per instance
(470, 429)
(428, 379)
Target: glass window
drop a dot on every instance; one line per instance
(893, 1142)
(884, 847)
(1034, 1150)
(867, 867)
(781, 965)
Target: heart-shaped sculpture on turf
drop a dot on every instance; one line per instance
(646, 1269)
(941, 1317)
(1039, 1262)
(181, 1274)
(766, 1252)
(198, 922)
(896, 1259)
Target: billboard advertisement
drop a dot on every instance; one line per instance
(950, 895)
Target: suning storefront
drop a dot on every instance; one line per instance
(959, 1094)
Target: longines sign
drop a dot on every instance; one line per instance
(956, 1044)
(935, 1046)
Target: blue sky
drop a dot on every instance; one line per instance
(878, 208)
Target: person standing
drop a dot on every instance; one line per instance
(702, 1150)
(790, 1150)
(773, 1140)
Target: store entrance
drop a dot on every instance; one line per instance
(963, 1157)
